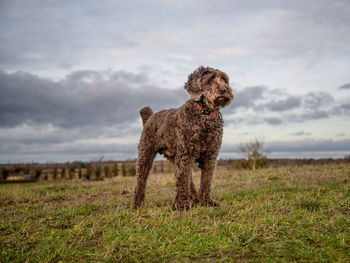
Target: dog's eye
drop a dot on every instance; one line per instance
(225, 80)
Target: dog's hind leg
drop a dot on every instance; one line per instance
(143, 168)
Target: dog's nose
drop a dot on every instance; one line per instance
(223, 90)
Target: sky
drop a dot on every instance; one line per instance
(74, 74)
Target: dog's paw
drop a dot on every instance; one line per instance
(194, 199)
(181, 206)
(209, 202)
(137, 205)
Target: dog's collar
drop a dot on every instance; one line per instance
(212, 113)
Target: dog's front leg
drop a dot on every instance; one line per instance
(207, 173)
(183, 169)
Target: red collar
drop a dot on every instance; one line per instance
(212, 113)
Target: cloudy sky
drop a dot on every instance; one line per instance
(74, 74)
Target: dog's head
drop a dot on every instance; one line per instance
(210, 86)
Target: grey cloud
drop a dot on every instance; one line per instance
(46, 134)
(257, 105)
(262, 98)
(273, 120)
(97, 148)
(68, 119)
(26, 136)
(82, 99)
(342, 109)
(304, 145)
(315, 100)
(345, 107)
(67, 151)
(301, 133)
(67, 33)
(27, 97)
(314, 115)
(345, 86)
(246, 98)
(257, 120)
(91, 76)
(286, 104)
(314, 106)
(310, 145)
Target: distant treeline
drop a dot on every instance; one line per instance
(75, 170)
(108, 169)
(265, 162)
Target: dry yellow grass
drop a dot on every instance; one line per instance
(287, 214)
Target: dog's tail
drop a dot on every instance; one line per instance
(145, 113)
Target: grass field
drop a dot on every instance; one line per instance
(290, 214)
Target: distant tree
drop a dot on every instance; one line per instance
(71, 172)
(63, 173)
(26, 170)
(253, 151)
(115, 169)
(89, 171)
(106, 170)
(55, 174)
(97, 167)
(5, 172)
(132, 170)
(241, 164)
(123, 169)
(45, 176)
(98, 171)
(37, 173)
(17, 169)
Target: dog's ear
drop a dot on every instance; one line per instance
(194, 84)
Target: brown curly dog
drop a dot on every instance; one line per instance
(191, 133)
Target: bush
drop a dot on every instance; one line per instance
(132, 171)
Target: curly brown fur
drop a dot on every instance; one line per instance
(191, 133)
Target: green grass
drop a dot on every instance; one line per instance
(299, 214)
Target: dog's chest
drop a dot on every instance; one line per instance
(206, 135)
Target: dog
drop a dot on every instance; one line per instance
(185, 135)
